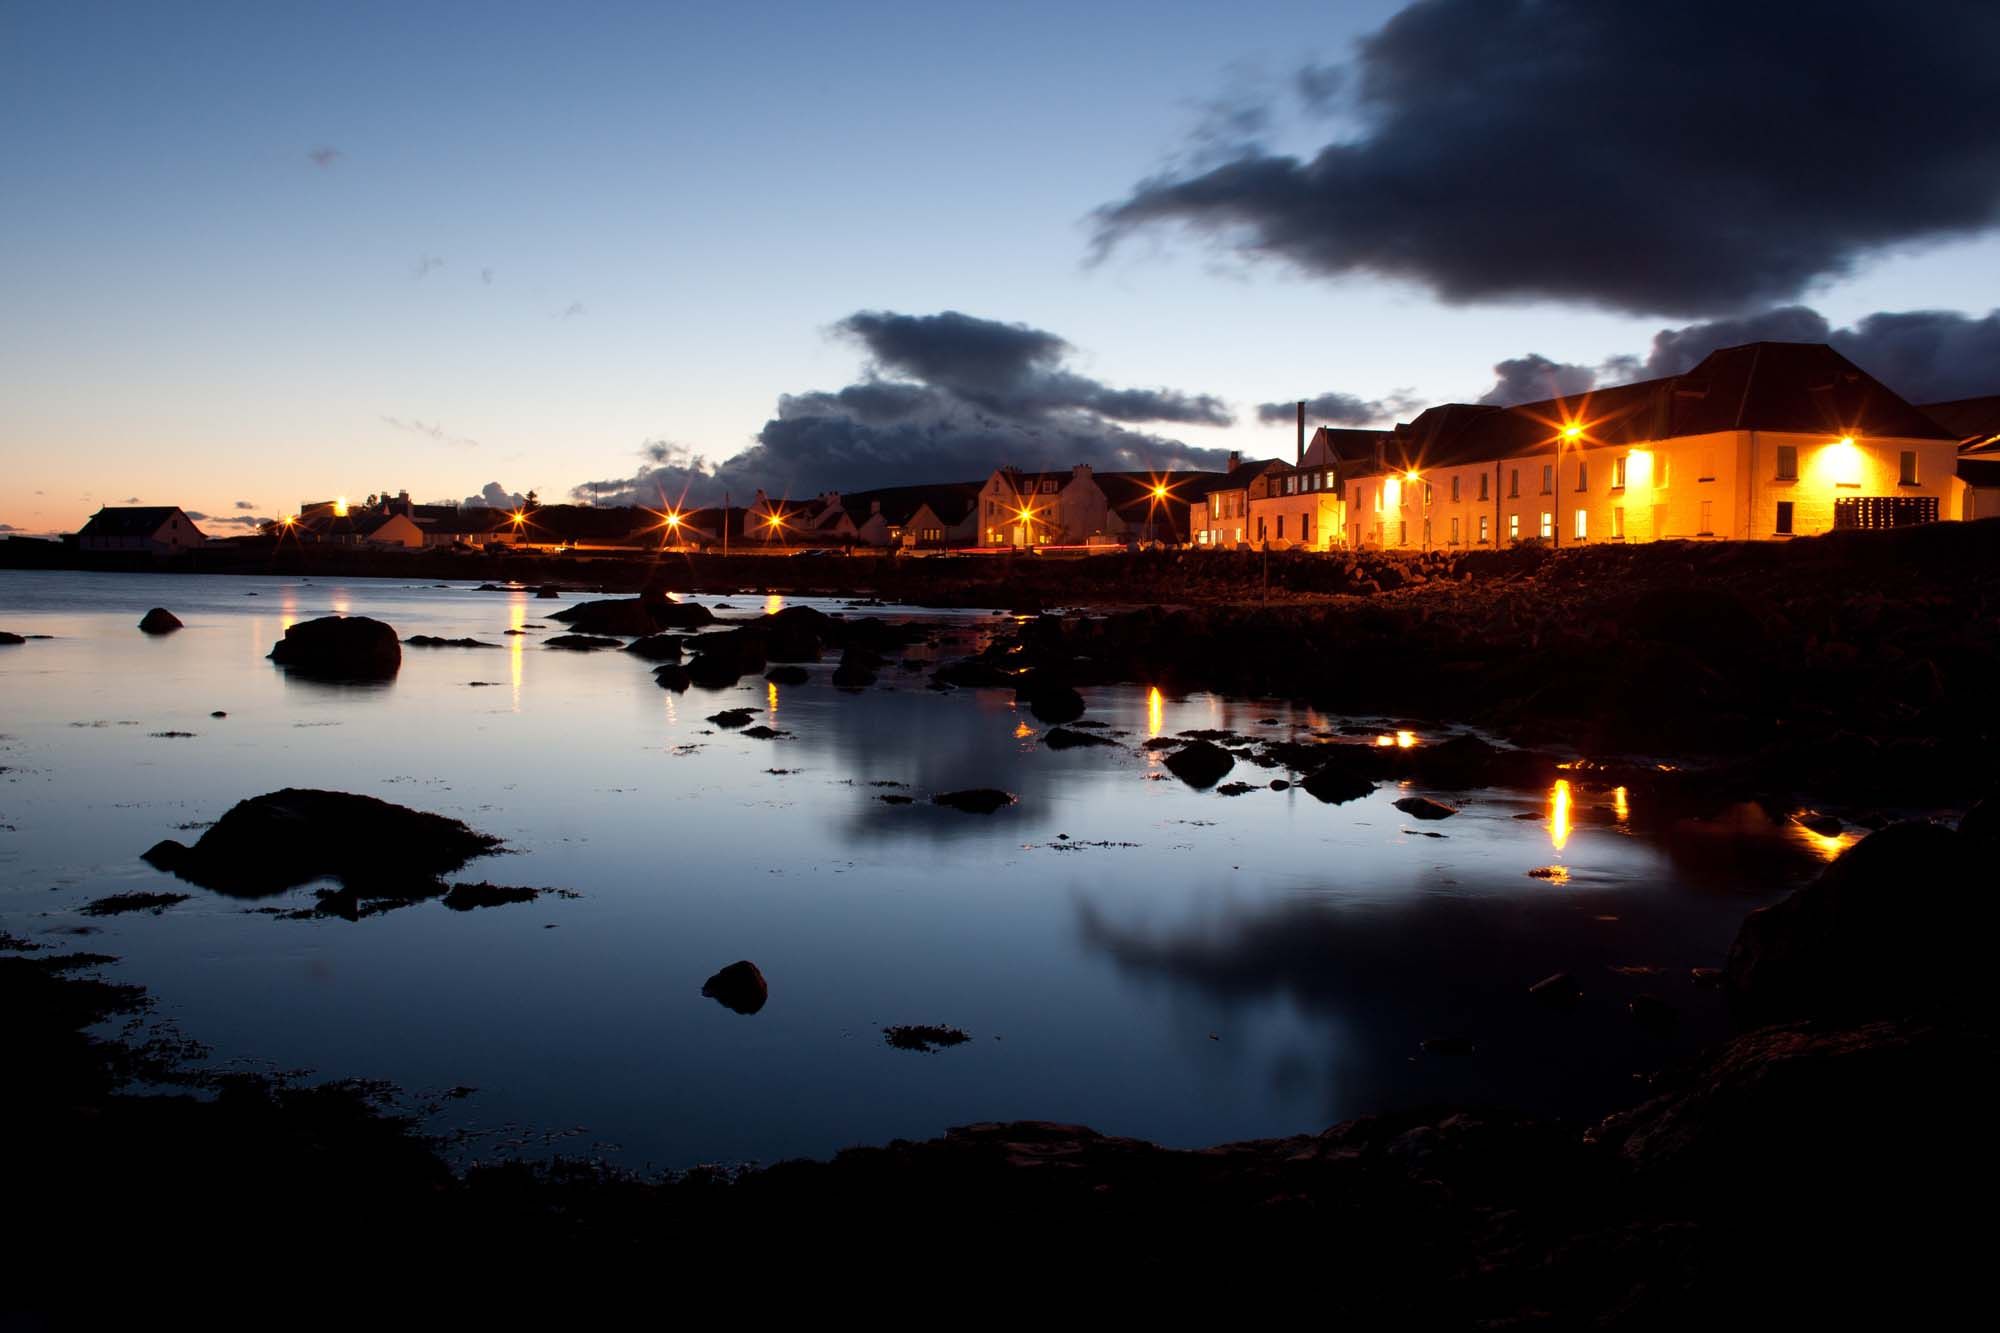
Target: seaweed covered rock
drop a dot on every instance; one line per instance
(270, 843)
(340, 648)
(159, 620)
(656, 648)
(633, 617)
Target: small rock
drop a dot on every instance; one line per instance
(1423, 807)
(159, 620)
(1200, 764)
(740, 986)
(581, 643)
(925, 1037)
(975, 800)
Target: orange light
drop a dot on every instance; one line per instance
(517, 518)
(673, 520)
(1411, 475)
(1559, 813)
(1156, 711)
(1572, 431)
(1847, 441)
(340, 507)
(1159, 492)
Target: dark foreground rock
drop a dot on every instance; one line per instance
(924, 1037)
(274, 842)
(1901, 924)
(581, 643)
(433, 641)
(465, 897)
(634, 617)
(9, 638)
(340, 648)
(1423, 807)
(159, 620)
(740, 986)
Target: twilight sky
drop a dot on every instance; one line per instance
(254, 254)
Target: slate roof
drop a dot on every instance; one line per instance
(1975, 421)
(951, 501)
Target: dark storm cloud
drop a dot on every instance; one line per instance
(1927, 356)
(1319, 85)
(1340, 409)
(1698, 160)
(946, 397)
(1525, 379)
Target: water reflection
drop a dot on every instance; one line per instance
(1156, 712)
(1621, 806)
(1826, 846)
(1559, 814)
(773, 604)
(1401, 740)
(517, 643)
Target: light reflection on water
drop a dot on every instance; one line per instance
(1317, 944)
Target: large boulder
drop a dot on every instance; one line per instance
(340, 648)
(270, 843)
(624, 617)
(657, 648)
(1336, 784)
(159, 620)
(1056, 704)
(1899, 925)
(7, 637)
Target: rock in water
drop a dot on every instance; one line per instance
(1200, 763)
(1057, 704)
(975, 800)
(10, 638)
(1423, 807)
(1898, 926)
(581, 643)
(285, 838)
(740, 986)
(657, 648)
(340, 648)
(159, 620)
(1335, 785)
(787, 675)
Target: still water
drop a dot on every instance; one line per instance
(1126, 952)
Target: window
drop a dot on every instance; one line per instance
(1618, 521)
(1427, 534)
(1707, 518)
(1783, 527)
(1582, 525)
(1582, 475)
(1048, 487)
(1618, 473)
(1513, 527)
(1260, 529)
(1403, 532)
(1427, 495)
(1378, 501)
(1548, 478)
(1306, 528)
(1548, 525)
(1513, 483)
(1454, 532)
(1485, 533)
(1454, 489)
(1281, 527)
(1662, 471)
(1907, 468)
(1788, 464)
(1483, 495)
(1291, 486)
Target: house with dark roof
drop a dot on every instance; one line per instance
(154, 529)
(1767, 440)
(1976, 422)
(934, 516)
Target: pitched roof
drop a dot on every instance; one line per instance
(1975, 421)
(1802, 388)
(1343, 444)
(132, 521)
(951, 501)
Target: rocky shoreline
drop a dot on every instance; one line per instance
(1803, 1169)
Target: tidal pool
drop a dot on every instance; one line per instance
(1125, 952)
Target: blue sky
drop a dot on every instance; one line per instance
(546, 235)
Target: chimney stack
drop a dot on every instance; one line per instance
(1300, 461)
(1235, 460)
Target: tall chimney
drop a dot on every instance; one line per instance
(1300, 461)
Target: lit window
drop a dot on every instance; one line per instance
(1513, 527)
(1582, 524)
(1618, 473)
(1485, 532)
(1548, 525)
(1788, 462)
(1907, 468)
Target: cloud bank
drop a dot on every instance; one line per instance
(1706, 160)
(1342, 409)
(944, 397)
(1927, 356)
